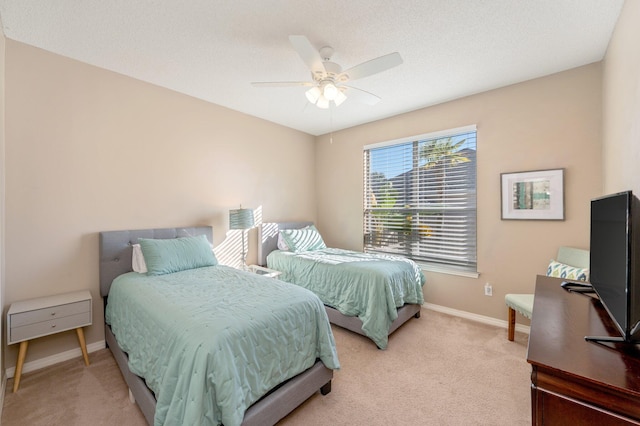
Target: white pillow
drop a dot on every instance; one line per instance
(137, 260)
(282, 244)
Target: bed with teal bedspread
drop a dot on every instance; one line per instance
(211, 341)
(368, 286)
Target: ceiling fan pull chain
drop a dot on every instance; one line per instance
(331, 125)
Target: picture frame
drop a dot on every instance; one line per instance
(532, 195)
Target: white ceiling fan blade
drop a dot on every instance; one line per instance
(373, 66)
(361, 96)
(282, 83)
(308, 53)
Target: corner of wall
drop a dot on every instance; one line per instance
(3, 377)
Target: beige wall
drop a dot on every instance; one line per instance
(90, 150)
(547, 123)
(621, 104)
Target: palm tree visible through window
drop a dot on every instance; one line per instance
(420, 199)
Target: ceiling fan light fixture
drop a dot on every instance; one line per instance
(340, 98)
(330, 91)
(322, 102)
(313, 94)
(328, 78)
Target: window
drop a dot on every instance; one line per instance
(420, 199)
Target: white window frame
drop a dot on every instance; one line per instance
(379, 235)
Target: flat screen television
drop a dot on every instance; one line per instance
(614, 261)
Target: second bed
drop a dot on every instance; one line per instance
(369, 294)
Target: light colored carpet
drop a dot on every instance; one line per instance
(71, 394)
(437, 370)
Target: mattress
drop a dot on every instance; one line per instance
(211, 341)
(368, 286)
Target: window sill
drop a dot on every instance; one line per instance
(448, 270)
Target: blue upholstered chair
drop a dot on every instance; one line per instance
(571, 263)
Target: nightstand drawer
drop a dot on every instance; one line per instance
(45, 314)
(51, 326)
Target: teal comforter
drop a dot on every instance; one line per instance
(212, 341)
(369, 286)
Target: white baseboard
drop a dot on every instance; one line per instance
(2, 391)
(55, 359)
(475, 317)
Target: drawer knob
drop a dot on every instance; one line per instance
(53, 314)
(53, 326)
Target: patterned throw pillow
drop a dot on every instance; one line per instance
(560, 270)
(305, 239)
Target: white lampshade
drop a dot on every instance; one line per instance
(323, 97)
(340, 98)
(241, 218)
(323, 102)
(313, 94)
(330, 91)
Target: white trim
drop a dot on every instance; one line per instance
(475, 317)
(425, 136)
(2, 392)
(450, 270)
(57, 358)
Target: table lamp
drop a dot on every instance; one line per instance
(241, 219)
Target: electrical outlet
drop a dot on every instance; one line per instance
(488, 290)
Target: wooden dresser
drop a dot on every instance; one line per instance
(574, 381)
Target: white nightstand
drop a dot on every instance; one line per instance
(33, 318)
(265, 272)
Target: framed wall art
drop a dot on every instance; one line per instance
(534, 195)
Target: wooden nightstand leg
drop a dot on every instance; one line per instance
(22, 354)
(83, 345)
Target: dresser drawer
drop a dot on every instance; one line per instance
(39, 329)
(46, 314)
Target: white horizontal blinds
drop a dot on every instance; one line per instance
(420, 199)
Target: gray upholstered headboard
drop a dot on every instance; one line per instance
(268, 237)
(116, 249)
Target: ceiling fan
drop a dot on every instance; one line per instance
(328, 80)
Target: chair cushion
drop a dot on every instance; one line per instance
(522, 303)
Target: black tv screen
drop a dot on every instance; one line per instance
(613, 259)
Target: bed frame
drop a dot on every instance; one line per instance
(268, 242)
(115, 259)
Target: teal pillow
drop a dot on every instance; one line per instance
(165, 256)
(305, 239)
(561, 270)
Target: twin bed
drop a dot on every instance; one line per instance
(201, 343)
(369, 294)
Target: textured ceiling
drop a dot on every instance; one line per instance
(213, 50)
